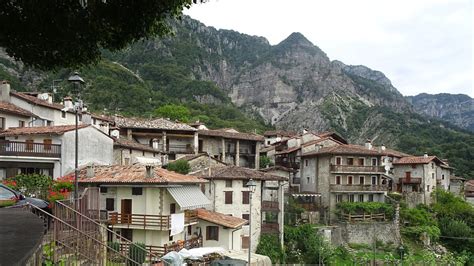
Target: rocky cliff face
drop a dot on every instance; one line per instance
(457, 109)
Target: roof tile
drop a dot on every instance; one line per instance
(220, 218)
(50, 130)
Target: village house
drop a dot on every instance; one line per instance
(342, 172)
(228, 192)
(231, 147)
(416, 177)
(201, 161)
(275, 136)
(51, 150)
(173, 138)
(46, 112)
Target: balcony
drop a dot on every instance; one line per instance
(288, 164)
(357, 187)
(270, 205)
(194, 242)
(362, 169)
(177, 148)
(19, 148)
(270, 228)
(410, 180)
(156, 222)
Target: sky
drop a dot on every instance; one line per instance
(420, 45)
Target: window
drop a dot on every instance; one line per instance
(432, 165)
(428, 188)
(361, 198)
(432, 175)
(349, 180)
(6, 194)
(371, 198)
(212, 233)
(407, 174)
(351, 197)
(49, 123)
(127, 234)
(245, 197)
(307, 180)
(338, 160)
(442, 177)
(79, 116)
(374, 162)
(2, 123)
(94, 121)
(305, 162)
(228, 197)
(63, 114)
(29, 144)
(137, 191)
(338, 198)
(228, 183)
(361, 161)
(350, 161)
(268, 142)
(374, 180)
(109, 204)
(21, 123)
(246, 216)
(47, 144)
(362, 180)
(170, 237)
(338, 180)
(103, 190)
(172, 208)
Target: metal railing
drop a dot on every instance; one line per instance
(356, 169)
(268, 205)
(357, 187)
(159, 222)
(21, 148)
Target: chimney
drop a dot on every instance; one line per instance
(382, 147)
(5, 91)
(68, 102)
(90, 171)
(425, 155)
(305, 131)
(150, 171)
(368, 144)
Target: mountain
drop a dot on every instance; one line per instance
(228, 79)
(455, 108)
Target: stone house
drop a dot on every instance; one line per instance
(418, 176)
(128, 152)
(231, 147)
(344, 172)
(173, 138)
(201, 161)
(275, 136)
(51, 150)
(228, 193)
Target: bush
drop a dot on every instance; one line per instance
(415, 232)
(179, 166)
(417, 216)
(137, 253)
(365, 207)
(305, 246)
(265, 162)
(31, 185)
(269, 245)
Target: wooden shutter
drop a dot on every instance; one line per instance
(173, 208)
(47, 144)
(245, 197)
(228, 197)
(109, 204)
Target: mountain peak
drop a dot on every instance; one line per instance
(296, 38)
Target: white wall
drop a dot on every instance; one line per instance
(229, 239)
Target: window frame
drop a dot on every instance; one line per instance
(137, 191)
(228, 199)
(228, 183)
(338, 179)
(245, 197)
(212, 232)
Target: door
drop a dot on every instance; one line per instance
(126, 211)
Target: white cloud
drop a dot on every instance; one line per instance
(421, 45)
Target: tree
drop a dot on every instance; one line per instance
(174, 112)
(69, 33)
(179, 166)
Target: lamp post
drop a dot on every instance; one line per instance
(252, 186)
(76, 80)
(402, 250)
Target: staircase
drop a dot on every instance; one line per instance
(77, 238)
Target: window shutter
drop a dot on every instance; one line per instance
(228, 197)
(245, 197)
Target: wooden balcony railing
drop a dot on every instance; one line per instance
(270, 227)
(21, 148)
(363, 217)
(356, 187)
(159, 222)
(356, 169)
(270, 205)
(410, 180)
(287, 164)
(194, 242)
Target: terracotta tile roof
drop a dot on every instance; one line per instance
(280, 133)
(238, 173)
(220, 218)
(316, 141)
(130, 144)
(267, 149)
(190, 157)
(290, 150)
(333, 135)
(278, 167)
(417, 160)
(157, 123)
(231, 135)
(13, 109)
(35, 100)
(134, 174)
(345, 149)
(51, 130)
(394, 153)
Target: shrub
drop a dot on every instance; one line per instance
(31, 185)
(269, 245)
(365, 207)
(417, 216)
(415, 232)
(265, 161)
(179, 166)
(137, 253)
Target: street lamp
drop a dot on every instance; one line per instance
(402, 250)
(76, 80)
(252, 186)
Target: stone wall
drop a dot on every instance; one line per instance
(365, 233)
